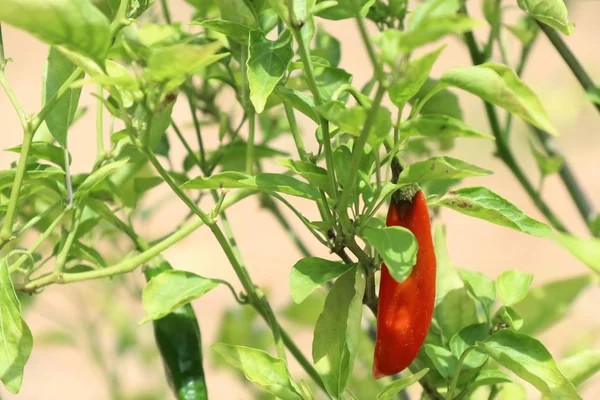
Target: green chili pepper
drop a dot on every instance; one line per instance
(180, 344)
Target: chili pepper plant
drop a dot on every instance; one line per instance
(269, 112)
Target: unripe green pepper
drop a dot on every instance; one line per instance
(180, 344)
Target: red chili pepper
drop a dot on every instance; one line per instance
(405, 309)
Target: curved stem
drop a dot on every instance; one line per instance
(61, 259)
(461, 360)
(38, 242)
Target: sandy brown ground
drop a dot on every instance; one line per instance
(60, 372)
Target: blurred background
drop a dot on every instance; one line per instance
(87, 341)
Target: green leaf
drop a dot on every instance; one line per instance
(351, 120)
(586, 250)
(507, 317)
(444, 361)
(393, 40)
(17, 341)
(307, 312)
(45, 151)
(312, 272)
(174, 64)
(466, 338)
(580, 367)
(482, 203)
(267, 64)
(57, 70)
(442, 102)
(314, 174)
(301, 101)
(548, 165)
(500, 85)
(262, 369)
(491, 377)
(437, 168)
(75, 24)
(346, 9)
(447, 278)
(513, 391)
(98, 177)
(172, 289)
(413, 76)
(525, 30)
(551, 12)
(512, 286)
(398, 248)
(439, 126)
(528, 358)
(283, 183)
(400, 384)
(336, 335)
(327, 46)
(266, 182)
(480, 286)
(235, 31)
(329, 80)
(549, 303)
(456, 311)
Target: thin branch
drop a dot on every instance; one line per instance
(567, 55)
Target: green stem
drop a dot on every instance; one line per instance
(269, 204)
(378, 69)
(165, 11)
(357, 152)
(68, 183)
(250, 144)
(14, 100)
(6, 233)
(130, 264)
(503, 148)
(38, 242)
(289, 112)
(196, 126)
(300, 217)
(2, 56)
(312, 84)
(494, 32)
(51, 103)
(461, 360)
(567, 55)
(61, 259)
(582, 202)
(99, 124)
(297, 353)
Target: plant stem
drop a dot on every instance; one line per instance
(130, 264)
(6, 233)
(14, 100)
(312, 84)
(196, 122)
(289, 112)
(269, 204)
(250, 144)
(357, 152)
(582, 202)
(68, 183)
(461, 360)
(61, 259)
(503, 148)
(51, 103)
(165, 11)
(567, 55)
(38, 242)
(99, 124)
